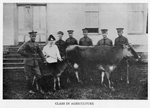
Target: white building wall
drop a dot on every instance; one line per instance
(113, 16)
(8, 24)
(63, 17)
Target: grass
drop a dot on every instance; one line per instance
(137, 89)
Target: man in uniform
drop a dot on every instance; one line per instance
(105, 41)
(85, 41)
(71, 40)
(122, 68)
(120, 39)
(29, 51)
(61, 44)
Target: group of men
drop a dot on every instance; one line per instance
(30, 50)
(87, 41)
(62, 45)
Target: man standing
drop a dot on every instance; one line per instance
(123, 65)
(71, 40)
(29, 51)
(61, 44)
(105, 41)
(85, 41)
(120, 39)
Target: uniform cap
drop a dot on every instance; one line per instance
(84, 30)
(51, 38)
(60, 32)
(32, 32)
(104, 30)
(119, 29)
(70, 31)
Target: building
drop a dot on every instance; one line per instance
(49, 18)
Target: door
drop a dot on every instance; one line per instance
(32, 17)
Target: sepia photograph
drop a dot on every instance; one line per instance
(75, 51)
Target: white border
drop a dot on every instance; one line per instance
(51, 103)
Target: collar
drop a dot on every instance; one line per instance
(85, 37)
(31, 41)
(105, 38)
(120, 36)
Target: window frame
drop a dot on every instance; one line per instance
(88, 11)
(144, 11)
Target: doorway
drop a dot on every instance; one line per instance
(31, 17)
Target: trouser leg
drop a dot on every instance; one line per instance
(37, 74)
(29, 76)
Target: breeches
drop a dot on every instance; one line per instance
(32, 71)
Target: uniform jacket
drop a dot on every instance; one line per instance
(85, 41)
(30, 51)
(71, 41)
(51, 53)
(61, 46)
(121, 40)
(105, 41)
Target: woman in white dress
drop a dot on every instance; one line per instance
(52, 53)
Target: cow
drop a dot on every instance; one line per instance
(103, 58)
(62, 66)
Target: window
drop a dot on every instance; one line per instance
(91, 21)
(92, 18)
(137, 18)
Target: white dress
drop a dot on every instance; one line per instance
(51, 53)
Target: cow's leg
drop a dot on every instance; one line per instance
(77, 76)
(58, 79)
(76, 68)
(102, 77)
(127, 71)
(109, 81)
(55, 79)
(100, 67)
(37, 86)
(33, 82)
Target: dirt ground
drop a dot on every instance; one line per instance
(137, 89)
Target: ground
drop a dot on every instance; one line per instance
(137, 89)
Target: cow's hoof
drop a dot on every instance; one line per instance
(42, 92)
(104, 85)
(49, 93)
(59, 88)
(112, 88)
(31, 92)
(80, 82)
(54, 90)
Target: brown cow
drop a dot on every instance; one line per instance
(104, 58)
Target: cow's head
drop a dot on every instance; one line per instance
(128, 51)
